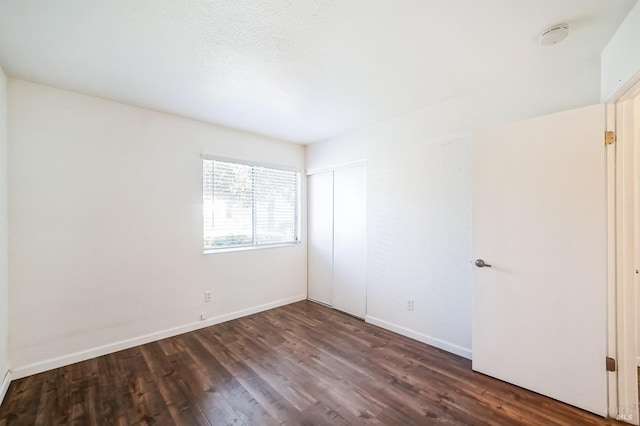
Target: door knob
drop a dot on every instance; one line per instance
(482, 264)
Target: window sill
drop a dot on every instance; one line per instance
(246, 248)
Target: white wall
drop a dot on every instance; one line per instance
(620, 59)
(419, 228)
(105, 203)
(4, 275)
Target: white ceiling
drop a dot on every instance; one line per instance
(311, 69)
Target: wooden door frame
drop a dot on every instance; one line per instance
(621, 301)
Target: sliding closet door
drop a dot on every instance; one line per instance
(350, 240)
(320, 237)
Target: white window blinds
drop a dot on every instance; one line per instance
(247, 205)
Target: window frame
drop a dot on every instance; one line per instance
(298, 215)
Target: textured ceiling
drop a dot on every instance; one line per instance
(311, 69)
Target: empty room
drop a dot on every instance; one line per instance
(389, 212)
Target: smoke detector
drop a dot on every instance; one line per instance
(553, 35)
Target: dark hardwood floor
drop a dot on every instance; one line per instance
(301, 364)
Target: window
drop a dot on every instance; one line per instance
(247, 205)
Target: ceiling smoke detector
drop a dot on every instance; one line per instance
(554, 35)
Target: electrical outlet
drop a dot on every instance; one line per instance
(207, 296)
(410, 303)
(203, 316)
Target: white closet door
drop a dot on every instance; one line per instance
(350, 240)
(320, 237)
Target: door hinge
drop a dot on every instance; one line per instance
(609, 138)
(611, 364)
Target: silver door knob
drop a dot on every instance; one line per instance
(482, 264)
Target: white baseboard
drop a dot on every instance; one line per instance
(440, 344)
(638, 361)
(50, 364)
(4, 386)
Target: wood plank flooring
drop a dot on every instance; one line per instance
(302, 364)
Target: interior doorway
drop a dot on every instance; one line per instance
(624, 158)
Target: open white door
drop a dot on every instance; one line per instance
(539, 220)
